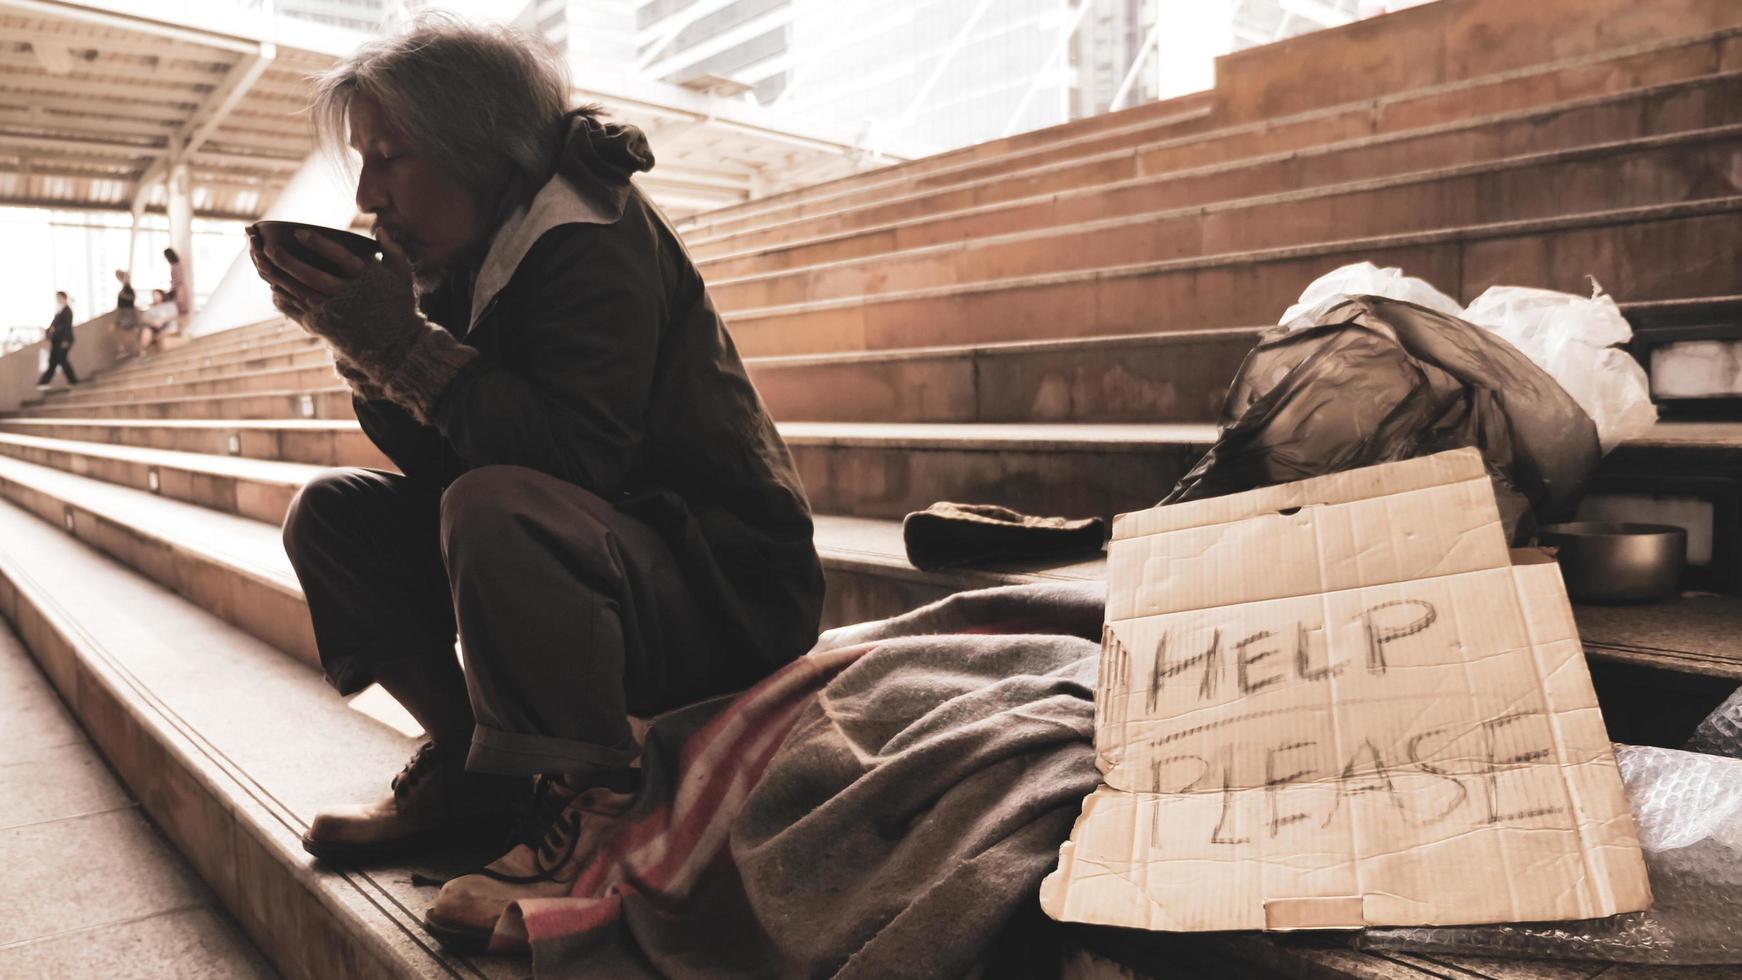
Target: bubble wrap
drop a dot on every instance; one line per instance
(1688, 807)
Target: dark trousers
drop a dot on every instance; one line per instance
(570, 613)
(57, 358)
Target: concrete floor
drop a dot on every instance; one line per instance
(89, 887)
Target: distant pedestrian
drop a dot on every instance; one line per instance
(60, 343)
(155, 319)
(179, 290)
(126, 313)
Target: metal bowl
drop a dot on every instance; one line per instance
(1618, 562)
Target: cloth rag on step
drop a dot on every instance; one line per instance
(948, 534)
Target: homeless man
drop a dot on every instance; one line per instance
(592, 495)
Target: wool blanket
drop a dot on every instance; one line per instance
(880, 808)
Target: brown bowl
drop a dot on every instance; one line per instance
(1618, 562)
(283, 234)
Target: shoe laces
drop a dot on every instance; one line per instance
(550, 827)
(421, 764)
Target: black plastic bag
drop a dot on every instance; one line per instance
(1377, 380)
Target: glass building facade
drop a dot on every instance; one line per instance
(936, 74)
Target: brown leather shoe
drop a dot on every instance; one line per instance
(559, 835)
(435, 803)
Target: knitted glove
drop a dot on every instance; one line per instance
(362, 385)
(374, 324)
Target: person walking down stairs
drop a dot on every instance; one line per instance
(60, 343)
(590, 490)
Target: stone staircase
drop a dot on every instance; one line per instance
(1047, 321)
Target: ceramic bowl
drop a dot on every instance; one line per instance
(283, 234)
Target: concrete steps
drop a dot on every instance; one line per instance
(870, 471)
(1170, 112)
(1534, 87)
(1437, 46)
(227, 565)
(297, 351)
(312, 442)
(215, 380)
(1136, 378)
(888, 470)
(1633, 174)
(262, 334)
(949, 170)
(272, 338)
(1653, 253)
(915, 221)
(259, 489)
(284, 403)
(864, 469)
(1183, 115)
(236, 569)
(211, 730)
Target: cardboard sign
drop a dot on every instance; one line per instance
(1339, 703)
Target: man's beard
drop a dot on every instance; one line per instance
(426, 280)
(425, 276)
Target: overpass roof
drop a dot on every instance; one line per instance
(95, 99)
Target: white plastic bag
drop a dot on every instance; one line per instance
(1573, 338)
(1364, 279)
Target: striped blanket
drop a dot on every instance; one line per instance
(881, 807)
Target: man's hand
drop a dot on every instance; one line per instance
(298, 287)
(367, 310)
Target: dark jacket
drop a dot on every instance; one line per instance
(60, 331)
(604, 363)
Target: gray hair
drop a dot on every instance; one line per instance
(485, 103)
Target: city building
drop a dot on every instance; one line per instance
(599, 34)
(937, 74)
(366, 16)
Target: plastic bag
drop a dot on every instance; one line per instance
(1688, 808)
(1363, 279)
(1377, 380)
(1721, 732)
(1573, 339)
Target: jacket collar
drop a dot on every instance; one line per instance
(558, 203)
(591, 186)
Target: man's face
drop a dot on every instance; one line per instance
(433, 218)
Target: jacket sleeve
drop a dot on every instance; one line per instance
(415, 448)
(578, 344)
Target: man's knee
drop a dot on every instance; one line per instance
(326, 501)
(502, 506)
